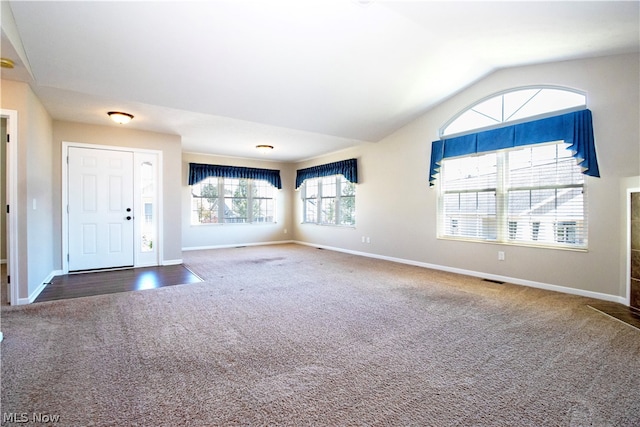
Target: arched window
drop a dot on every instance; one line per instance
(511, 169)
(514, 106)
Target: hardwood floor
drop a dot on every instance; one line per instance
(628, 315)
(107, 282)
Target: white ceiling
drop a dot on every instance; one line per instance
(308, 77)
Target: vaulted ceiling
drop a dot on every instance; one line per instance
(308, 77)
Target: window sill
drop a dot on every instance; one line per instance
(328, 225)
(232, 224)
(524, 245)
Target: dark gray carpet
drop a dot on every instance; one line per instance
(291, 335)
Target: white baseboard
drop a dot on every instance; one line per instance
(43, 284)
(236, 245)
(482, 275)
(32, 297)
(172, 262)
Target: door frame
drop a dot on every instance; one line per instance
(12, 200)
(65, 199)
(628, 251)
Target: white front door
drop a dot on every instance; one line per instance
(100, 208)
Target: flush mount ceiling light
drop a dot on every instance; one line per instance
(6, 63)
(264, 149)
(120, 118)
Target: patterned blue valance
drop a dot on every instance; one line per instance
(346, 168)
(575, 128)
(199, 171)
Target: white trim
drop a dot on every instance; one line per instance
(160, 210)
(627, 275)
(65, 195)
(37, 291)
(142, 265)
(12, 186)
(64, 207)
(107, 147)
(238, 245)
(482, 275)
(172, 262)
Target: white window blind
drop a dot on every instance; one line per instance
(545, 197)
(529, 195)
(469, 197)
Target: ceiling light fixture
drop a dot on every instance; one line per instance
(6, 63)
(264, 149)
(120, 118)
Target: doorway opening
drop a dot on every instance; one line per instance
(9, 273)
(4, 236)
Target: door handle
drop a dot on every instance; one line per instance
(129, 218)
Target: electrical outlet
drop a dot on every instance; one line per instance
(368, 239)
(364, 239)
(500, 255)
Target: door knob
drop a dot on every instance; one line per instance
(128, 218)
(128, 209)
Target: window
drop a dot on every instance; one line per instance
(520, 183)
(468, 197)
(513, 106)
(147, 186)
(531, 195)
(329, 200)
(147, 167)
(232, 200)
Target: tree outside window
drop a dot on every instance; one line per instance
(231, 200)
(329, 200)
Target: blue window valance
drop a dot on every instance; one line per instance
(574, 128)
(200, 171)
(346, 168)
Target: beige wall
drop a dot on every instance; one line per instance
(169, 145)
(217, 235)
(396, 208)
(34, 210)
